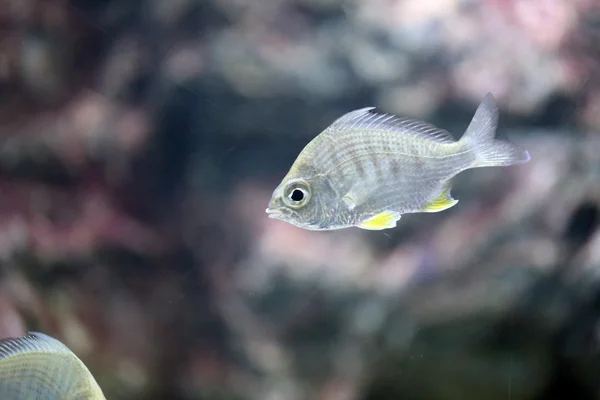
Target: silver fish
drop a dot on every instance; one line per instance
(367, 169)
(37, 366)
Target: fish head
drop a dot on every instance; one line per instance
(304, 200)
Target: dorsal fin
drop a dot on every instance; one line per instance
(368, 118)
(32, 342)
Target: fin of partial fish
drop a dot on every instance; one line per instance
(443, 202)
(480, 136)
(368, 118)
(32, 342)
(384, 220)
(30, 363)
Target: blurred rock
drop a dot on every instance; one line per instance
(141, 141)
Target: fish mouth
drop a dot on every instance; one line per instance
(274, 213)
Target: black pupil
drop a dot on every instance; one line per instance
(297, 195)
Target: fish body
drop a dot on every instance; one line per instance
(37, 366)
(367, 169)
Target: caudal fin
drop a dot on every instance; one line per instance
(480, 137)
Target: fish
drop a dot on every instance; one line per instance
(368, 168)
(37, 366)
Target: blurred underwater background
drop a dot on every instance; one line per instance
(140, 142)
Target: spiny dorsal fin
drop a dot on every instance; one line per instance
(368, 118)
(32, 342)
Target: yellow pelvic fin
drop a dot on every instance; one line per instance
(443, 202)
(384, 220)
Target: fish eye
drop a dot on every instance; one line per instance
(297, 194)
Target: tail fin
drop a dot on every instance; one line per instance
(480, 137)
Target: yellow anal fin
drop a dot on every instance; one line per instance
(443, 202)
(384, 220)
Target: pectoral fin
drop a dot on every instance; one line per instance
(384, 220)
(357, 196)
(443, 202)
(349, 201)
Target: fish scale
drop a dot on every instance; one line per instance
(367, 169)
(369, 159)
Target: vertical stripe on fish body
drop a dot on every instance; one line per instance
(367, 169)
(37, 366)
(383, 168)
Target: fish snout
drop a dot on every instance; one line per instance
(276, 211)
(272, 212)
